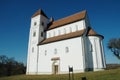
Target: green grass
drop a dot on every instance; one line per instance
(113, 74)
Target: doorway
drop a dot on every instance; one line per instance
(55, 65)
(55, 69)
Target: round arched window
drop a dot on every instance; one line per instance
(34, 34)
(35, 23)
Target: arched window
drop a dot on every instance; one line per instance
(49, 35)
(35, 23)
(64, 31)
(32, 49)
(42, 34)
(45, 52)
(66, 49)
(53, 33)
(42, 23)
(76, 27)
(34, 34)
(70, 29)
(90, 48)
(59, 32)
(55, 51)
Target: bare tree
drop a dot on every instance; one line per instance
(9, 66)
(114, 46)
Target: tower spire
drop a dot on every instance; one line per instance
(39, 12)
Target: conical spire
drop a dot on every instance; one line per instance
(39, 12)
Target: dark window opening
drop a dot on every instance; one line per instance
(35, 23)
(42, 23)
(34, 34)
(42, 34)
(66, 49)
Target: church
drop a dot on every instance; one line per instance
(55, 45)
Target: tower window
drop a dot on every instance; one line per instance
(32, 49)
(35, 23)
(34, 34)
(42, 23)
(42, 34)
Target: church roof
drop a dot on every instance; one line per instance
(79, 33)
(67, 20)
(39, 12)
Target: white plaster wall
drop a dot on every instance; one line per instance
(28, 55)
(98, 58)
(66, 29)
(33, 62)
(33, 41)
(73, 58)
(88, 54)
(103, 54)
(31, 59)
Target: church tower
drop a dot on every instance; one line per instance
(37, 34)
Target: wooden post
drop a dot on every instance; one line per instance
(71, 77)
(69, 72)
(72, 74)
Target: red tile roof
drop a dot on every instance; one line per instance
(40, 11)
(67, 20)
(91, 32)
(64, 21)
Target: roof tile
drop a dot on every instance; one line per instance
(40, 11)
(67, 20)
(91, 32)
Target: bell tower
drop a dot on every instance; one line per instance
(38, 24)
(37, 34)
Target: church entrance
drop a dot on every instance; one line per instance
(55, 69)
(55, 65)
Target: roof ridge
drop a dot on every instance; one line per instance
(69, 19)
(71, 15)
(38, 12)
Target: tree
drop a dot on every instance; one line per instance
(114, 46)
(8, 66)
(3, 59)
(3, 62)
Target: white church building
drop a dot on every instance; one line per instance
(56, 45)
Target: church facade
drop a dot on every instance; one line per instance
(68, 42)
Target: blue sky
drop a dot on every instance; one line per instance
(15, 18)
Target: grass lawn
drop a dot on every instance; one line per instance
(113, 74)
